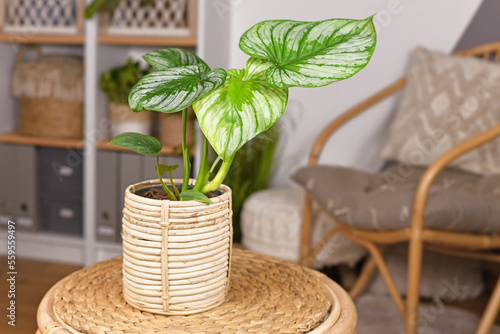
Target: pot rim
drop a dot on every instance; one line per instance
(131, 189)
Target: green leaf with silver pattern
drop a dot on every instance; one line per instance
(172, 57)
(142, 144)
(311, 54)
(175, 88)
(244, 106)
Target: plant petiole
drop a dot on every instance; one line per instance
(219, 177)
(169, 193)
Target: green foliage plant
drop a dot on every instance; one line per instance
(107, 6)
(234, 106)
(117, 82)
(251, 171)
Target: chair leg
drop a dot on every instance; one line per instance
(305, 244)
(491, 311)
(363, 279)
(413, 292)
(382, 267)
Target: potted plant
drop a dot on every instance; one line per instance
(177, 233)
(116, 85)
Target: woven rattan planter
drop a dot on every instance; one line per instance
(176, 255)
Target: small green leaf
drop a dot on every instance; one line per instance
(142, 144)
(174, 89)
(244, 106)
(195, 195)
(311, 54)
(162, 169)
(173, 57)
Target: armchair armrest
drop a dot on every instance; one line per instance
(305, 245)
(349, 115)
(422, 193)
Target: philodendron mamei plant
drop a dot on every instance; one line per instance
(237, 105)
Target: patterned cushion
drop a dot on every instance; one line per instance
(458, 201)
(447, 100)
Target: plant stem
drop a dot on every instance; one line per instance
(169, 193)
(219, 178)
(215, 163)
(202, 174)
(185, 153)
(176, 191)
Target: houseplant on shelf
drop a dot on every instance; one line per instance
(116, 85)
(108, 6)
(177, 245)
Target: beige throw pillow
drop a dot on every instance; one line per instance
(446, 101)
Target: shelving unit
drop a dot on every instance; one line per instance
(100, 52)
(189, 42)
(15, 138)
(42, 39)
(103, 145)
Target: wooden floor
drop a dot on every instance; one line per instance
(33, 279)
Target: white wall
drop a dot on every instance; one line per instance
(401, 25)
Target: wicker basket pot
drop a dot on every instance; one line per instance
(125, 120)
(176, 254)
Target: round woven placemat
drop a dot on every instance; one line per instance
(266, 295)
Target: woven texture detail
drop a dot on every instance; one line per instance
(161, 17)
(175, 253)
(40, 16)
(266, 296)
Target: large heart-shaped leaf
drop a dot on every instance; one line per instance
(311, 54)
(173, 57)
(142, 144)
(174, 89)
(243, 107)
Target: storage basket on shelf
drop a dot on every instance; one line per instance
(34, 17)
(161, 18)
(176, 254)
(50, 89)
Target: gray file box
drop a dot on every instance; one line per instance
(25, 202)
(131, 171)
(108, 213)
(61, 215)
(8, 178)
(61, 172)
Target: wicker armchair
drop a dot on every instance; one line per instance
(478, 246)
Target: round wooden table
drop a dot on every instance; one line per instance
(267, 295)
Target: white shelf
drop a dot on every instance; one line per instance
(46, 246)
(100, 53)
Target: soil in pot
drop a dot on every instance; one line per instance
(160, 194)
